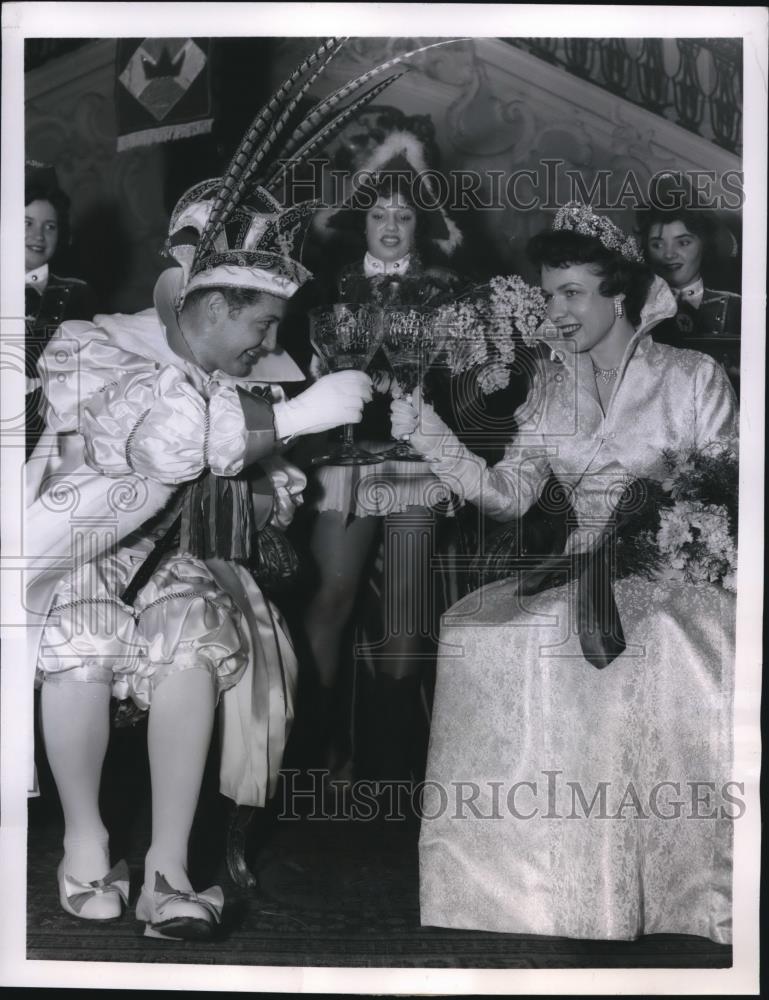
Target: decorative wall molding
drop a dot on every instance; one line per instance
(119, 220)
(498, 109)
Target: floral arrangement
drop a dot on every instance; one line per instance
(481, 329)
(685, 526)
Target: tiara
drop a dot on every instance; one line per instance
(578, 218)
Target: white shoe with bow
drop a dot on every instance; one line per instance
(102, 899)
(179, 914)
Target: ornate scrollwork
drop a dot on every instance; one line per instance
(693, 81)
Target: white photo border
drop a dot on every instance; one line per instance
(24, 20)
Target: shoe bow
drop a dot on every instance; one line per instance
(164, 895)
(78, 893)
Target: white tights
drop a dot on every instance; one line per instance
(75, 720)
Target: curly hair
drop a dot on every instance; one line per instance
(389, 185)
(620, 275)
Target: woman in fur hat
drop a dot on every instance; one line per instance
(400, 266)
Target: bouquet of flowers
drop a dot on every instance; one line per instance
(685, 526)
(480, 330)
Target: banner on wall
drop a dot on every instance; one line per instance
(162, 90)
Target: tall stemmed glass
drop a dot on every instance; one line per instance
(407, 342)
(346, 335)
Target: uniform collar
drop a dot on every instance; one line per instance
(37, 279)
(372, 266)
(691, 294)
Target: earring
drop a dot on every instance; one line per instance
(618, 310)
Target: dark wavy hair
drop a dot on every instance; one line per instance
(565, 248)
(42, 190)
(698, 223)
(389, 184)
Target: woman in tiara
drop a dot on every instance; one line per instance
(557, 793)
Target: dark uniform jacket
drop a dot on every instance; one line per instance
(713, 328)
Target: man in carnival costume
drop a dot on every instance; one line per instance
(166, 429)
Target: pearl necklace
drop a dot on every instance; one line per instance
(607, 374)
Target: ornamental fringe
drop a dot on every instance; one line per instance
(165, 133)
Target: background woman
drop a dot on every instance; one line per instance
(49, 298)
(354, 503)
(688, 249)
(551, 744)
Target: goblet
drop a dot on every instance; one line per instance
(407, 341)
(346, 335)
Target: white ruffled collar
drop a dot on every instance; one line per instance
(373, 266)
(692, 294)
(37, 278)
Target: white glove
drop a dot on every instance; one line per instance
(288, 482)
(404, 416)
(334, 399)
(415, 420)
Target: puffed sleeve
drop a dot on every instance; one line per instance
(715, 404)
(79, 361)
(158, 425)
(504, 491)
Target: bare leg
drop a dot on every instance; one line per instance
(179, 734)
(340, 552)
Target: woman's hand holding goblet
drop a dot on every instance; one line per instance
(407, 342)
(411, 417)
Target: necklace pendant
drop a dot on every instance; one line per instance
(607, 374)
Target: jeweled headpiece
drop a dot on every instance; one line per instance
(233, 230)
(578, 218)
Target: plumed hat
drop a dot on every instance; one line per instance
(399, 162)
(233, 230)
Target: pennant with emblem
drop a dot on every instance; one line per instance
(162, 90)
